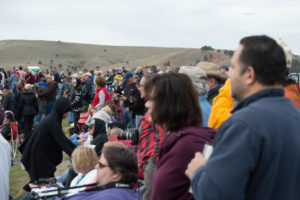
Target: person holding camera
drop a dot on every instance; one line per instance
(117, 173)
(113, 133)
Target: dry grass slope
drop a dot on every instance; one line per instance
(47, 53)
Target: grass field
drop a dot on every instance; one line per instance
(75, 56)
(18, 178)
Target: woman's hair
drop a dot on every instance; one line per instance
(100, 81)
(175, 100)
(111, 105)
(107, 110)
(121, 159)
(84, 159)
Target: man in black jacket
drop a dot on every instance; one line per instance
(131, 93)
(28, 108)
(49, 93)
(87, 90)
(8, 100)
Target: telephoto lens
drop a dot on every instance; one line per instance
(130, 134)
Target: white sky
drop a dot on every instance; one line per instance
(164, 23)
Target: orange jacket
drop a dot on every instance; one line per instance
(291, 92)
(221, 107)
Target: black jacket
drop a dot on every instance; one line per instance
(212, 94)
(29, 104)
(76, 98)
(87, 91)
(9, 102)
(42, 150)
(50, 92)
(131, 93)
(99, 135)
(6, 131)
(138, 108)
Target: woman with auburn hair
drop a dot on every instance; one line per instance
(84, 160)
(173, 104)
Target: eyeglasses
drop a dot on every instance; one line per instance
(101, 166)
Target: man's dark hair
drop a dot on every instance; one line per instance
(123, 160)
(224, 67)
(175, 99)
(116, 125)
(266, 57)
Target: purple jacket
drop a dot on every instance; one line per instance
(177, 150)
(108, 194)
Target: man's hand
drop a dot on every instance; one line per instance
(123, 98)
(81, 141)
(196, 162)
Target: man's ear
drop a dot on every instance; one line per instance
(116, 176)
(250, 75)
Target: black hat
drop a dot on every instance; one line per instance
(9, 116)
(6, 87)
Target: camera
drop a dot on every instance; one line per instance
(130, 134)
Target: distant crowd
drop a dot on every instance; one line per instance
(198, 132)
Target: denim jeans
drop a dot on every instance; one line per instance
(137, 120)
(128, 121)
(70, 117)
(49, 107)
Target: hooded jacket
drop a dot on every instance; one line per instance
(221, 107)
(42, 150)
(99, 135)
(177, 150)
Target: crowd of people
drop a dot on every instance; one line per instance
(201, 132)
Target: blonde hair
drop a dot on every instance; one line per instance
(114, 132)
(107, 110)
(84, 159)
(114, 144)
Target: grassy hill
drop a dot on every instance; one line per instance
(74, 56)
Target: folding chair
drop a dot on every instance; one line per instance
(14, 139)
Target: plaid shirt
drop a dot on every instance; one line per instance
(150, 137)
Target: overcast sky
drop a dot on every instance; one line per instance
(164, 23)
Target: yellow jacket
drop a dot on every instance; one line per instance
(221, 107)
(118, 77)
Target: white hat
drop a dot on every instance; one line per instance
(193, 72)
(87, 74)
(198, 77)
(28, 86)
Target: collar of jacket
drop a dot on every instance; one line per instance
(277, 92)
(202, 98)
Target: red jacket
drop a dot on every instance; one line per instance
(96, 98)
(125, 142)
(150, 137)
